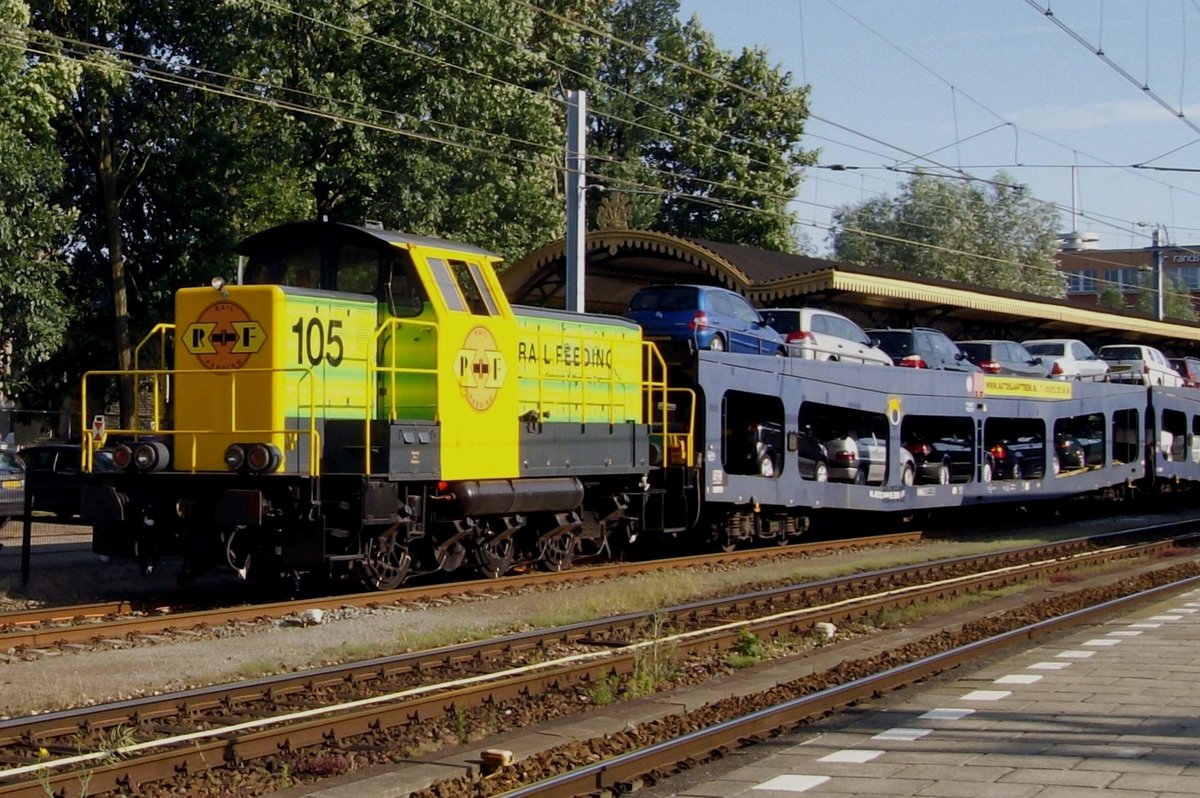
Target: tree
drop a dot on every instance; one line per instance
(1177, 302)
(705, 142)
(1111, 297)
(995, 235)
(33, 228)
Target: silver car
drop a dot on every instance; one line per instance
(818, 334)
(862, 460)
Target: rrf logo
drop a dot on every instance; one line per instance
(224, 336)
(480, 368)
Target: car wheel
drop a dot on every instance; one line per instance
(766, 466)
(943, 474)
(986, 476)
(860, 476)
(908, 476)
(821, 472)
(717, 344)
(1055, 465)
(1017, 471)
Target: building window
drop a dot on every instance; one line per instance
(1188, 276)
(1081, 282)
(1123, 279)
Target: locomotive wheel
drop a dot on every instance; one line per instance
(385, 561)
(557, 551)
(494, 558)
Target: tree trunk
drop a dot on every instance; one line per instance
(110, 199)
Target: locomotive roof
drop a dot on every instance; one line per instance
(291, 232)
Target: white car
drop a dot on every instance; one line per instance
(1071, 359)
(824, 335)
(1141, 364)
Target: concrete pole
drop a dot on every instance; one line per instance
(1157, 271)
(576, 201)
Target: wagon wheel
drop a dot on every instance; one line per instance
(385, 561)
(557, 551)
(494, 558)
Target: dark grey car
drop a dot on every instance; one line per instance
(922, 348)
(1004, 357)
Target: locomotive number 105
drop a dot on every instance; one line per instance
(317, 341)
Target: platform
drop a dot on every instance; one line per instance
(1111, 709)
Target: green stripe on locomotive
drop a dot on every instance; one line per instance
(578, 368)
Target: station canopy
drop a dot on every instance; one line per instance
(620, 261)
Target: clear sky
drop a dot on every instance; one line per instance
(990, 85)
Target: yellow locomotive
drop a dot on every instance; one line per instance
(368, 402)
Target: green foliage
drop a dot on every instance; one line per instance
(1177, 302)
(705, 143)
(995, 235)
(1111, 297)
(34, 228)
(180, 128)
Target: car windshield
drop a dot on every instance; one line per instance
(10, 462)
(1045, 349)
(672, 297)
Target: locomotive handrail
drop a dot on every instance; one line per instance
(652, 386)
(314, 459)
(375, 368)
(160, 330)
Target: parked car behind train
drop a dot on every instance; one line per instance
(1069, 358)
(1004, 357)
(817, 334)
(1139, 363)
(922, 348)
(703, 317)
(55, 474)
(12, 486)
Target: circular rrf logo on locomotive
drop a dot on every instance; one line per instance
(224, 336)
(480, 368)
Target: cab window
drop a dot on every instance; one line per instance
(358, 270)
(463, 286)
(405, 290)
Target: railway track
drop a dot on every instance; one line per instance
(30, 632)
(391, 704)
